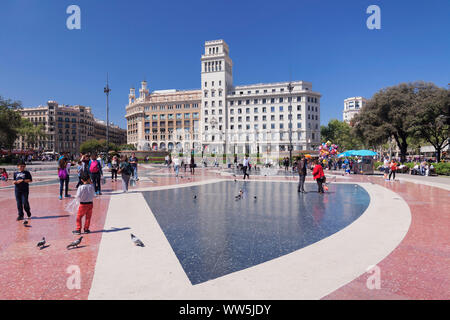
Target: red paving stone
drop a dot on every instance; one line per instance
(417, 269)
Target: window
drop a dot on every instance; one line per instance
(239, 119)
(299, 99)
(299, 116)
(247, 110)
(264, 109)
(281, 100)
(239, 110)
(264, 118)
(281, 108)
(255, 118)
(272, 125)
(299, 108)
(213, 93)
(273, 99)
(281, 117)
(247, 101)
(231, 103)
(247, 118)
(206, 104)
(231, 119)
(206, 94)
(272, 117)
(239, 102)
(281, 126)
(264, 126)
(255, 110)
(231, 111)
(206, 83)
(272, 109)
(299, 126)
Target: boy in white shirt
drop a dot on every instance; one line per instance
(85, 195)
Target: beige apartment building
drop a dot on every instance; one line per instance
(66, 128)
(163, 119)
(117, 135)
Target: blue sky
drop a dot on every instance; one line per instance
(325, 42)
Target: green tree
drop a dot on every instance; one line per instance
(390, 113)
(10, 122)
(432, 118)
(30, 132)
(91, 146)
(340, 133)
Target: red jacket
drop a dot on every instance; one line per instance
(318, 171)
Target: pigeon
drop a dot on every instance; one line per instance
(137, 241)
(195, 197)
(75, 243)
(234, 180)
(41, 243)
(255, 197)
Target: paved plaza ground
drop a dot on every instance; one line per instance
(201, 242)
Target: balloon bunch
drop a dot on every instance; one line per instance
(327, 149)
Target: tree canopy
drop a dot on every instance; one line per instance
(340, 133)
(393, 113)
(10, 122)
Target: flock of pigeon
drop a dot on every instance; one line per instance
(43, 244)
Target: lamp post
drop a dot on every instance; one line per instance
(107, 90)
(290, 88)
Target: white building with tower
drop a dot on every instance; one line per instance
(352, 106)
(257, 118)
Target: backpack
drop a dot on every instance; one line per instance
(94, 166)
(62, 173)
(127, 169)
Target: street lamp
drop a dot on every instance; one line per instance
(290, 88)
(107, 90)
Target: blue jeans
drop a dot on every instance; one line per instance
(135, 173)
(177, 168)
(22, 202)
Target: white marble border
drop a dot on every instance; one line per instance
(154, 272)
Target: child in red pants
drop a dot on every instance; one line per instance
(85, 194)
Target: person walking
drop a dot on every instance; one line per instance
(176, 165)
(126, 170)
(85, 195)
(134, 165)
(393, 169)
(63, 176)
(192, 165)
(301, 169)
(245, 164)
(114, 168)
(95, 170)
(22, 179)
(318, 175)
(386, 168)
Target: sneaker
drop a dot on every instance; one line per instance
(19, 218)
(87, 231)
(99, 193)
(60, 197)
(77, 232)
(29, 215)
(96, 192)
(67, 196)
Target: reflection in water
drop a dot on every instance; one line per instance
(215, 234)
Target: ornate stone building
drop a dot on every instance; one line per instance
(265, 117)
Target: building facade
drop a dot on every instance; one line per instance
(352, 106)
(65, 128)
(117, 135)
(164, 119)
(253, 118)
